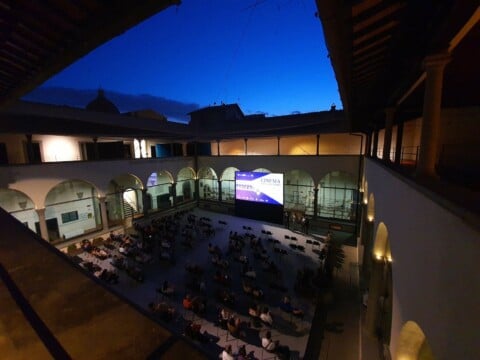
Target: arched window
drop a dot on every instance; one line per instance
(159, 190)
(21, 207)
(299, 191)
(338, 196)
(124, 198)
(185, 187)
(208, 184)
(228, 184)
(72, 209)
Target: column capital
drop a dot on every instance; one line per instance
(40, 211)
(436, 60)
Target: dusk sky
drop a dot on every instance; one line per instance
(266, 55)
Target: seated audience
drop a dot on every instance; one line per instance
(250, 273)
(165, 312)
(167, 289)
(227, 353)
(192, 330)
(237, 327)
(223, 317)
(266, 317)
(287, 307)
(187, 302)
(268, 344)
(221, 278)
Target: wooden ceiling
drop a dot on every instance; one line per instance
(41, 37)
(377, 48)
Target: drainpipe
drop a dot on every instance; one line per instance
(357, 207)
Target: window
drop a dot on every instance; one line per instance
(70, 216)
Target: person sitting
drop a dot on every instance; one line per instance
(166, 289)
(192, 330)
(247, 288)
(250, 273)
(165, 312)
(194, 268)
(223, 318)
(254, 313)
(225, 296)
(187, 302)
(288, 308)
(196, 304)
(227, 353)
(237, 327)
(232, 326)
(266, 317)
(274, 346)
(221, 278)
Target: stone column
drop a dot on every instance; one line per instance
(218, 147)
(387, 139)
(43, 223)
(398, 145)
(318, 144)
(173, 193)
(432, 102)
(367, 240)
(220, 190)
(96, 153)
(102, 200)
(146, 203)
(374, 293)
(368, 144)
(246, 146)
(315, 202)
(29, 149)
(197, 190)
(375, 144)
(278, 145)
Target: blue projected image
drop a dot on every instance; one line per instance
(259, 187)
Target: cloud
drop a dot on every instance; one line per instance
(172, 109)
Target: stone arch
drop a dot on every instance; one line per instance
(365, 192)
(124, 198)
(21, 207)
(228, 184)
(159, 191)
(208, 183)
(371, 208)
(299, 191)
(72, 209)
(379, 309)
(185, 186)
(262, 170)
(338, 196)
(381, 245)
(160, 177)
(413, 344)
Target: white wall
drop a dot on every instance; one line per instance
(435, 265)
(316, 166)
(86, 217)
(36, 180)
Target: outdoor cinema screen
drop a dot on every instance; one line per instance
(260, 187)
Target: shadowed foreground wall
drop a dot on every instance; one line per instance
(87, 320)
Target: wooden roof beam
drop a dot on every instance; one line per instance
(361, 59)
(377, 31)
(380, 41)
(377, 16)
(364, 6)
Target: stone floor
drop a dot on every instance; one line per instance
(337, 330)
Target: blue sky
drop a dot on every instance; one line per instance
(266, 55)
